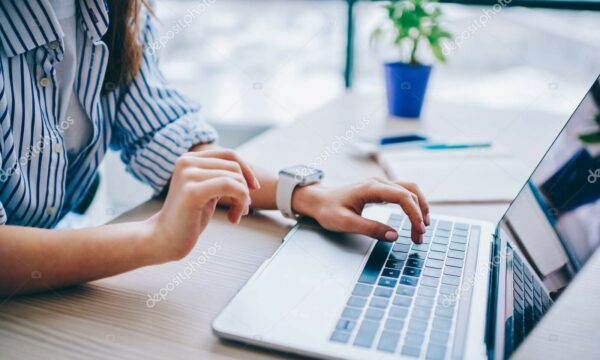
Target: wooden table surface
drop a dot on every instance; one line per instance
(114, 318)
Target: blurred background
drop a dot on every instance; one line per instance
(256, 64)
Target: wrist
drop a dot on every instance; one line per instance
(147, 241)
(307, 200)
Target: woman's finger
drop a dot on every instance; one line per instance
(423, 204)
(227, 154)
(379, 192)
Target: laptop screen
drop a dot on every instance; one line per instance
(554, 221)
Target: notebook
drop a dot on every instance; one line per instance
(458, 175)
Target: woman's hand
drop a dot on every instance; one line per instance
(200, 180)
(339, 209)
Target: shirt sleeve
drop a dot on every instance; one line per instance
(155, 124)
(4, 173)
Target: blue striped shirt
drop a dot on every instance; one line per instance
(148, 121)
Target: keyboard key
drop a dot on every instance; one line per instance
(427, 291)
(433, 263)
(417, 255)
(397, 256)
(394, 264)
(454, 271)
(432, 272)
(375, 262)
(448, 301)
(340, 336)
(448, 289)
(374, 314)
(346, 325)
(351, 313)
(410, 351)
(456, 254)
(450, 280)
(412, 271)
(422, 301)
(413, 339)
(417, 326)
(459, 232)
(442, 324)
(455, 262)
(402, 300)
(458, 239)
(444, 311)
(457, 246)
(442, 232)
(383, 291)
(394, 324)
(398, 312)
(388, 341)
(362, 290)
(420, 247)
(409, 280)
(440, 240)
(438, 336)
(439, 248)
(390, 273)
(421, 313)
(435, 352)
(379, 302)
(446, 225)
(416, 263)
(429, 281)
(405, 233)
(383, 281)
(366, 334)
(357, 301)
(404, 240)
(461, 226)
(401, 247)
(436, 255)
(405, 290)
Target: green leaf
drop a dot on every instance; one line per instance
(436, 49)
(593, 138)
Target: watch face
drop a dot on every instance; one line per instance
(303, 173)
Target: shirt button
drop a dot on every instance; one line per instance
(51, 211)
(44, 82)
(57, 148)
(53, 45)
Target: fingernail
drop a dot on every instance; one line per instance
(256, 184)
(427, 219)
(391, 235)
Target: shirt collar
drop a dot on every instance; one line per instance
(26, 25)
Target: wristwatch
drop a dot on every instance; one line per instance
(289, 179)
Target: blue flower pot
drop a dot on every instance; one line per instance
(406, 85)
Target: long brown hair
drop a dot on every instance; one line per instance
(125, 51)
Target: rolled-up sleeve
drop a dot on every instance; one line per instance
(155, 124)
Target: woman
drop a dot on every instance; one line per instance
(74, 80)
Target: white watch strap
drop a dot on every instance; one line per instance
(283, 198)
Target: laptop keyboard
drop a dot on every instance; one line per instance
(530, 301)
(405, 299)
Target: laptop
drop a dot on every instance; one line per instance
(472, 289)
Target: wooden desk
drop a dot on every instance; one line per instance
(110, 318)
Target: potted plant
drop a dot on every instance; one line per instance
(410, 24)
